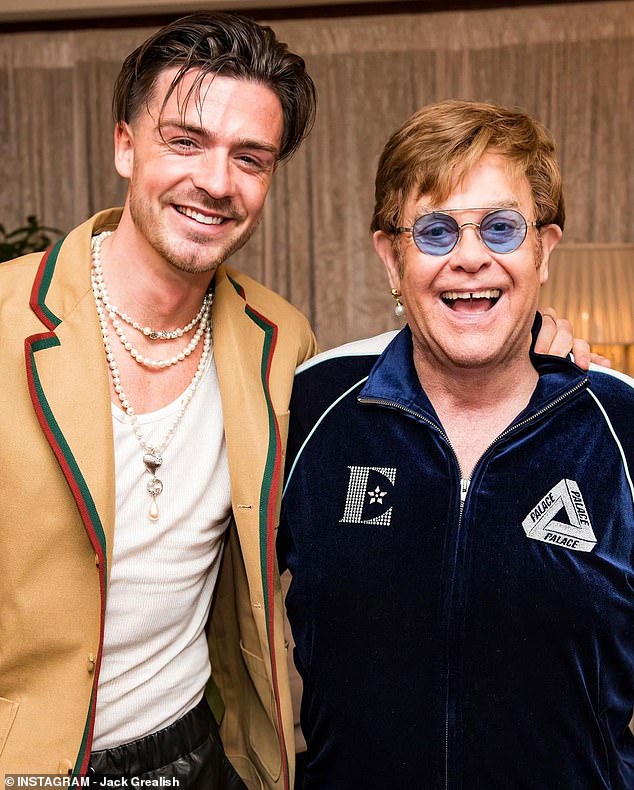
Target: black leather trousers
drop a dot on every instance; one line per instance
(186, 755)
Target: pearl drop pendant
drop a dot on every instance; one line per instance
(153, 513)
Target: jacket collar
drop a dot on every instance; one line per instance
(245, 345)
(68, 380)
(393, 379)
(63, 279)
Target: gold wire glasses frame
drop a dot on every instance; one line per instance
(501, 242)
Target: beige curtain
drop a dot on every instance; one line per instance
(592, 285)
(570, 65)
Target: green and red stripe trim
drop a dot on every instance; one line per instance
(271, 482)
(66, 460)
(41, 285)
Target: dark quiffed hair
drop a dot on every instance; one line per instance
(226, 44)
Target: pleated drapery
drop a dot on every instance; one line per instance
(570, 65)
(592, 285)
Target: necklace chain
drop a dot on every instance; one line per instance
(152, 455)
(114, 314)
(154, 334)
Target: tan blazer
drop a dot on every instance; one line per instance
(57, 513)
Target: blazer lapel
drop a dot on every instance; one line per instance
(244, 343)
(68, 383)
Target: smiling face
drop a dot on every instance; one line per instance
(471, 308)
(199, 177)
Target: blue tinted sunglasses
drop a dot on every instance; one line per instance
(437, 233)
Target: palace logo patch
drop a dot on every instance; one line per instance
(561, 519)
(370, 494)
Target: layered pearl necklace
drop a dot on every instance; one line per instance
(114, 314)
(152, 456)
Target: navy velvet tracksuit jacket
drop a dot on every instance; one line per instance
(460, 634)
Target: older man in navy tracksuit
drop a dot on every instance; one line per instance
(458, 515)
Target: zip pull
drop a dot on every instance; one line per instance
(464, 487)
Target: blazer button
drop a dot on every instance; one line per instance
(65, 767)
(91, 663)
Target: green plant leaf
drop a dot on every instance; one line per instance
(32, 237)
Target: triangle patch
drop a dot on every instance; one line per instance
(561, 519)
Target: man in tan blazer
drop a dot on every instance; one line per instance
(143, 424)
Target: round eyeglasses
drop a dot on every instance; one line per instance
(437, 233)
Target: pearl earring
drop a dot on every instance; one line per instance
(399, 309)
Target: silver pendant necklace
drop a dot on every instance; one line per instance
(152, 456)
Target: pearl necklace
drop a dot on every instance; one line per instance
(153, 334)
(152, 456)
(162, 334)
